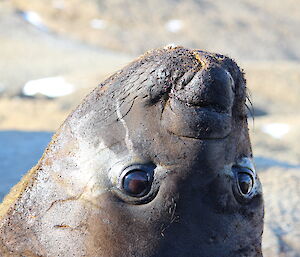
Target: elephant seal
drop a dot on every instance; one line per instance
(156, 161)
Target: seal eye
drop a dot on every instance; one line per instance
(245, 183)
(136, 183)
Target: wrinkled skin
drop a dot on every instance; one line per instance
(176, 111)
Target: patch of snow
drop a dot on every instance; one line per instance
(276, 130)
(174, 25)
(98, 24)
(51, 87)
(34, 19)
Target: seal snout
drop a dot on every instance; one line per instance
(200, 105)
(211, 87)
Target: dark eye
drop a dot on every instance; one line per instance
(244, 187)
(245, 183)
(136, 183)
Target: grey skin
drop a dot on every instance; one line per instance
(176, 115)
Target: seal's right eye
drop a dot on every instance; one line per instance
(136, 183)
(245, 186)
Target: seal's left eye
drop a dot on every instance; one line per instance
(136, 183)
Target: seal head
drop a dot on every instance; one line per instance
(156, 162)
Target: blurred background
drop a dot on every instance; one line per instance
(53, 52)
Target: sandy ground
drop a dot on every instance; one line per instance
(26, 124)
(248, 29)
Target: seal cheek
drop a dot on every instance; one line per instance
(195, 122)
